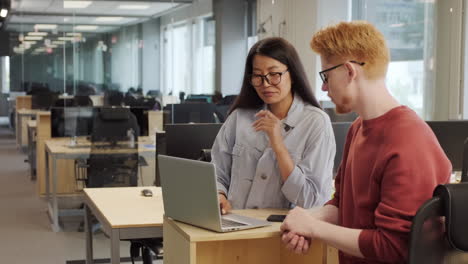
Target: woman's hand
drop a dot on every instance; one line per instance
(224, 204)
(271, 125)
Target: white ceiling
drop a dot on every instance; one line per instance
(26, 13)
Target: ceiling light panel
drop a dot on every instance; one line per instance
(45, 26)
(108, 19)
(85, 28)
(133, 7)
(76, 4)
(33, 38)
(42, 34)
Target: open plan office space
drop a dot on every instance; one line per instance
(93, 91)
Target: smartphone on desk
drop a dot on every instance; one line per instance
(276, 218)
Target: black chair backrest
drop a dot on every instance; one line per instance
(464, 175)
(439, 232)
(427, 238)
(113, 123)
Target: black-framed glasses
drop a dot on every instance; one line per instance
(272, 78)
(324, 77)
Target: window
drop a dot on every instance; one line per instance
(188, 63)
(408, 27)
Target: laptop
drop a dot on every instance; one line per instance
(190, 195)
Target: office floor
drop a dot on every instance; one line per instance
(25, 233)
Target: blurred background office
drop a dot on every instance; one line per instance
(184, 59)
(197, 47)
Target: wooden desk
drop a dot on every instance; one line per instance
(24, 102)
(186, 244)
(22, 118)
(58, 148)
(32, 125)
(124, 214)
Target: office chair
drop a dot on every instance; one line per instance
(439, 232)
(464, 175)
(111, 126)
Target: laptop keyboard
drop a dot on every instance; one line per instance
(230, 223)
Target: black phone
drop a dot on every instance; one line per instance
(276, 218)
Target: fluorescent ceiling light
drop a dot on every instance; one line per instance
(33, 38)
(85, 28)
(30, 42)
(66, 38)
(108, 19)
(74, 34)
(58, 42)
(3, 12)
(45, 26)
(42, 34)
(52, 46)
(134, 7)
(76, 4)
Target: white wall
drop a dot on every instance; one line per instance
(297, 21)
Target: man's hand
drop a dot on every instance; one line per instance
(224, 204)
(298, 230)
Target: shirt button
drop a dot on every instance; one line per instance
(263, 177)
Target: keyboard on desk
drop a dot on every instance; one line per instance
(230, 223)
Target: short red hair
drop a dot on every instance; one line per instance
(357, 40)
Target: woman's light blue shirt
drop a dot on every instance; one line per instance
(246, 166)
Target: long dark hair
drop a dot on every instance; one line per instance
(282, 51)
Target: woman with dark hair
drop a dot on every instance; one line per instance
(276, 148)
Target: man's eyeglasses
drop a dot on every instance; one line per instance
(272, 78)
(324, 77)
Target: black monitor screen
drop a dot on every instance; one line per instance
(72, 121)
(43, 100)
(340, 129)
(191, 113)
(187, 140)
(451, 136)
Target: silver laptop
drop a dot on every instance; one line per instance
(190, 196)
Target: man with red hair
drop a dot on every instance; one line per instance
(391, 164)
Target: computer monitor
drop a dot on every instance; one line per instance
(340, 129)
(191, 113)
(43, 100)
(451, 136)
(72, 121)
(187, 140)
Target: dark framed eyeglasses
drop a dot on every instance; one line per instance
(324, 77)
(272, 78)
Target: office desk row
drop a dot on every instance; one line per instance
(60, 149)
(137, 216)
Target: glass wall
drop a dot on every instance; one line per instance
(78, 51)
